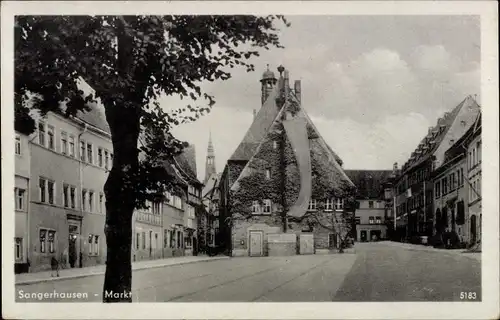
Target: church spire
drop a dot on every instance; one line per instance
(210, 162)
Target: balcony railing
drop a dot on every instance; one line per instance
(148, 218)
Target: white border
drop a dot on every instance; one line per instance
(488, 308)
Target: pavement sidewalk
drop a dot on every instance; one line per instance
(410, 246)
(64, 274)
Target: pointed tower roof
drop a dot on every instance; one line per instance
(210, 148)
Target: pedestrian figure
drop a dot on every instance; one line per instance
(54, 266)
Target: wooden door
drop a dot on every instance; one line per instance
(256, 243)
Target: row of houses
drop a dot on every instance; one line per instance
(60, 172)
(438, 190)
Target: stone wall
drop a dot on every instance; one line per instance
(282, 244)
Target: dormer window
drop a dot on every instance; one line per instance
(339, 204)
(255, 206)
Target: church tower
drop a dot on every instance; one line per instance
(210, 162)
(268, 82)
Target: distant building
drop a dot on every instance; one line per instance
(415, 186)
(372, 212)
(283, 184)
(210, 168)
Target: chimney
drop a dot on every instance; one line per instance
(298, 90)
(287, 81)
(395, 167)
(254, 113)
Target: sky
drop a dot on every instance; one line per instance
(372, 85)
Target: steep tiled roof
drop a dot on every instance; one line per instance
(95, 116)
(186, 162)
(369, 183)
(261, 123)
(441, 128)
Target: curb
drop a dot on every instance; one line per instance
(28, 282)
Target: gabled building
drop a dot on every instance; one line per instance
(372, 210)
(414, 187)
(282, 179)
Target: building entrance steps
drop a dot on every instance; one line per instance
(44, 276)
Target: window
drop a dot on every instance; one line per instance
(172, 238)
(474, 157)
(18, 144)
(478, 146)
(437, 189)
(469, 160)
(453, 181)
(372, 220)
(179, 239)
(444, 183)
(41, 133)
(157, 206)
(165, 238)
(99, 157)
(268, 174)
(312, 205)
(358, 220)
(82, 150)
(90, 156)
(91, 201)
(18, 248)
(51, 239)
(339, 204)
(42, 188)
(143, 240)
(106, 159)
(137, 240)
(329, 205)
(84, 199)
(72, 194)
(255, 206)
(91, 238)
(267, 206)
(93, 245)
(275, 144)
(370, 204)
(50, 133)
(50, 190)
(20, 198)
(65, 195)
(42, 239)
(461, 176)
(378, 220)
(101, 201)
(71, 146)
(64, 142)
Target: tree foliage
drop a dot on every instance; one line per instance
(129, 62)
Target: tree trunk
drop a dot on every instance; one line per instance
(120, 204)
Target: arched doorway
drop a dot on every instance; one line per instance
(473, 229)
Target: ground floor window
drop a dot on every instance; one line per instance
(144, 240)
(47, 240)
(18, 251)
(93, 245)
(332, 240)
(189, 241)
(137, 240)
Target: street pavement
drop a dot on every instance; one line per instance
(374, 272)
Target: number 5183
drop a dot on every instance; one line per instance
(468, 295)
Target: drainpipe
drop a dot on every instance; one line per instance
(80, 179)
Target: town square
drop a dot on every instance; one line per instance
(248, 158)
